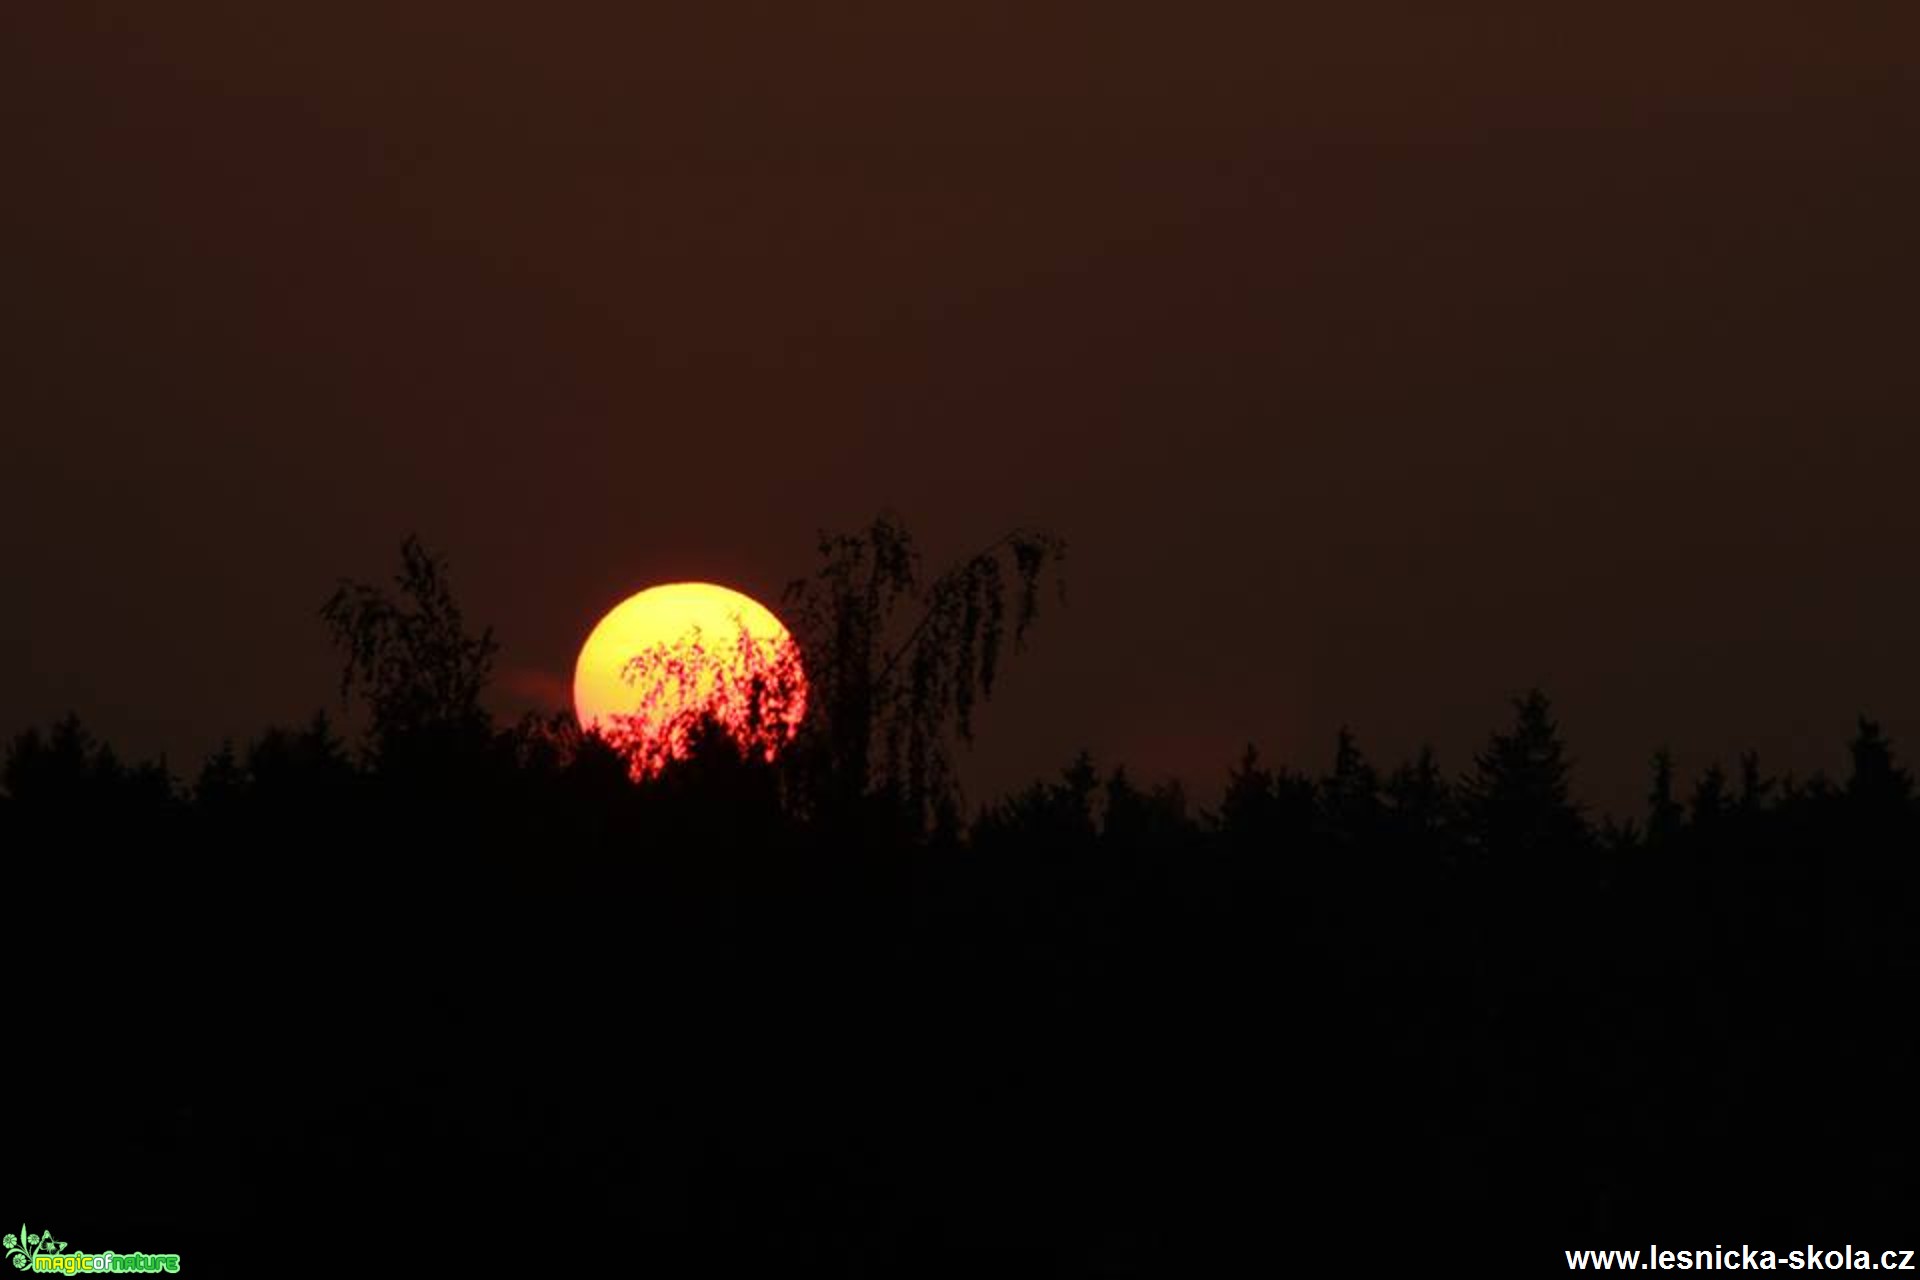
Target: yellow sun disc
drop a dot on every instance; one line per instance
(664, 660)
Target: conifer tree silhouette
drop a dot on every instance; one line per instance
(1249, 808)
(1420, 801)
(69, 769)
(1876, 782)
(1350, 795)
(1054, 817)
(1137, 818)
(1517, 800)
(1665, 818)
(1709, 803)
(1756, 789)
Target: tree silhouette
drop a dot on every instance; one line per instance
(1056, 817)
(1518, 799)
(302, 766)
(953, 1016)
(65, 767)
(1420, 801)
(1756, 789)
(1665, 817)
(69, 769)
(1137, 819)
(1710, 802)
(896, 661)
(752, 687)
(1248, 807)
(1263, 807)
(409, 657)
(1350, 803)
(1876, 781)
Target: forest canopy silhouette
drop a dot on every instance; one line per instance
(816, 1008)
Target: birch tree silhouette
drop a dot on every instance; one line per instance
(897, 660)
(409, 656)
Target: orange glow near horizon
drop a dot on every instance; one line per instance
(663, 659)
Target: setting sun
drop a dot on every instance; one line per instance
(662, 660)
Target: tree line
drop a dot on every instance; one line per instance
(458, 972)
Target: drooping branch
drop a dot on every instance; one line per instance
(408, 654)
(753, 689)
(887, 708)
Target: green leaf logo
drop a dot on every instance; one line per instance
(23, 1248)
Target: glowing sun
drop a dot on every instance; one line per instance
(664, 660)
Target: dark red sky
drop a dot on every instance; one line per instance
(1376, 363)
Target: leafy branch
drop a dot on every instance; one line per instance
(898, 663)
(757, 693)
(408, 653)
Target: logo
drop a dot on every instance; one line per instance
(39, 1252)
